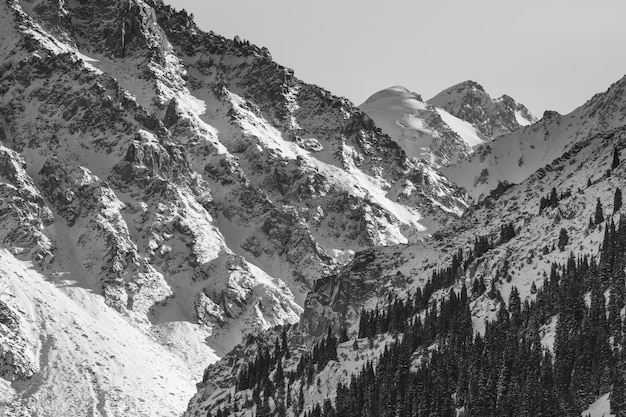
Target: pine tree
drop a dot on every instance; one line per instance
(615, 163)
(515, 306)
(563, 239)
(554, 198)
(618, 394)
(617, 200)
(599, 216)
(343, 335)
(507, 232)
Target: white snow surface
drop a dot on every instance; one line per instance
(91, 360)
(599, 408)
(521, 120)
(464, 129)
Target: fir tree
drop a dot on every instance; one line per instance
(554, 198)
(615, 163)
(617, 200)
(507, 232)
(618, 394)
(599, 214)
(563, 239)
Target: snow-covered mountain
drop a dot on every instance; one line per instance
(492, 117)
(169, 190)
(171, 199)
(515, 156)
(422, 130)
(376, 277)
(448, 127)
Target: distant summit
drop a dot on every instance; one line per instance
(492, 117)
(422, 130)
(515, 156)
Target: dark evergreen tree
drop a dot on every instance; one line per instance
(618, 393)
(563, 239)
(617, 200)
(615, 162)
(507, 232)
(599, 213)
(553, 200)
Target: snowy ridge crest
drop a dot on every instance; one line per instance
(515, 156)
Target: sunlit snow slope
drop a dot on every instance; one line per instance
(422, 130)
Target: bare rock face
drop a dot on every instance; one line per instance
(23, 211)
(128, 280)
(335, 297)
(17, 360)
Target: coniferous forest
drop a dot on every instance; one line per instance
(506, 371)
(438, 366)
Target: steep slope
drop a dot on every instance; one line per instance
(515, 156)
(423, 131)
(76, 356)
(188, 183)
(492, 117)
(582, 176)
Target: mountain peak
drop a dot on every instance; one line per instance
(393, 92)
(422, 130)
(492, 117)
(467, 84)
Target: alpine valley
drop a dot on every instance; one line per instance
(188, 229)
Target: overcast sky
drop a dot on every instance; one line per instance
(546, 54)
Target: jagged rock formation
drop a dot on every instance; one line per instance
(492, 117)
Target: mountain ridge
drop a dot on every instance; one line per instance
(515, 156)
(423, 131)
(469, 101)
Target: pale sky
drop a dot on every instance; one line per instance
(546, 54)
